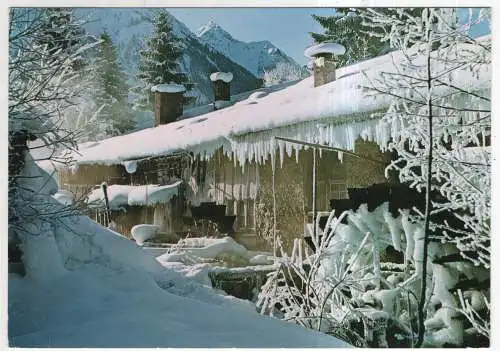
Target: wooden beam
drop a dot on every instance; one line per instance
(330, 148)
(314, 192)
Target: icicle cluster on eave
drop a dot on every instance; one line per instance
(335, 132)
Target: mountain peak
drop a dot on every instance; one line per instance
(210, 26)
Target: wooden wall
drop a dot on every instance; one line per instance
(246, 193)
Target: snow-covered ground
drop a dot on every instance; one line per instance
(110, 304)
(87, 286)
(196, 257)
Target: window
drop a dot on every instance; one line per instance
(338, 189)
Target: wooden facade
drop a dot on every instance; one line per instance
(246, 192)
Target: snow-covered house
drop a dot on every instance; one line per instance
(260, 156)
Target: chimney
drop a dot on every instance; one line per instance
(169, 100)
(221, 85)
(323, 61)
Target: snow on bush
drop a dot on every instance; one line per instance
(64, 197)
(353, 274)
(283, 72)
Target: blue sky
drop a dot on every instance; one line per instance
(287, 28)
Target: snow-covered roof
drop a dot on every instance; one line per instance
(141, 195)
(324, 48)
(168, 88)
(224, 76)
(334, 114)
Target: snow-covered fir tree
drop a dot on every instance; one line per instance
(110, 91)
(61, 33)
(159, 63)
(346, 27)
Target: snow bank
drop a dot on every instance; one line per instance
(226, 77)
(192, 252)
(143, 232)
(258, 95)
(223, 245)
(34, 179)
(93, 308)
(324, 48)
(64, 197)
(49, 166)
(197, 242)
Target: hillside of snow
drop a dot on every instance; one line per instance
(87, 286)
(130, 27)
(255, 56)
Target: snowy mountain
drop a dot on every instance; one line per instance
(255, 56)
(130, 27)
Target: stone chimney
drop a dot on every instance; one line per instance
(221, 85)
(323, 61)
(169, 100)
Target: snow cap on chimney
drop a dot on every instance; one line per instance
(323, 56)
(226, 77)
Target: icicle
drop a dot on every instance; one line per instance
(408, 229)
(281, 147)
(340, 156)
(294, 251)
(394, 229)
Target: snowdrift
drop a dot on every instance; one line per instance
(87, 286)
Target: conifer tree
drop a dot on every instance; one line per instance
(61, 33)
(361, 41)
(111, 88)
(346, 28)
(159, 62)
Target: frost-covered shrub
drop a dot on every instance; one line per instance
(356, 287)
(440, 119)
(283, 72)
